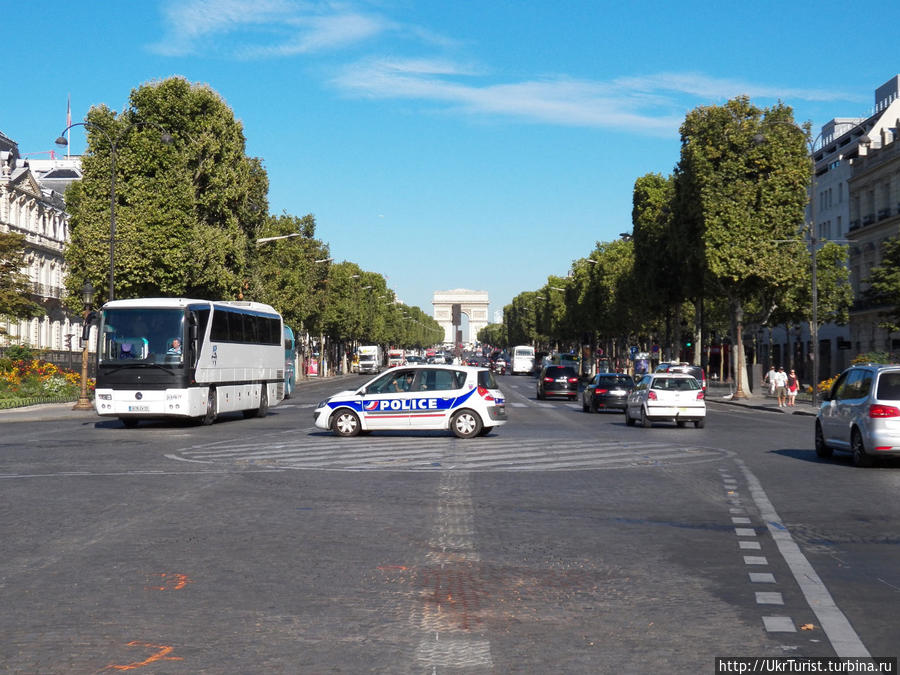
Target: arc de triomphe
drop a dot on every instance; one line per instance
(474, 304)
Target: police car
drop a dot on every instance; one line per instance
(463, 399)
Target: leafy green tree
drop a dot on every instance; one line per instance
(658, 268)
(740, 194)
(493, 334)
(884, 285)
(285, 274)
(15, 287)
(188, 211)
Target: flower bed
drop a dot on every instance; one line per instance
(37, 381)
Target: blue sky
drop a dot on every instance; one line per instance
(469, 144)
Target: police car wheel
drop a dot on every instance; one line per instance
(345, 423)
(466, 424)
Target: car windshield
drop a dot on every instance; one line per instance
(695, 371)
(675, 384)
(889, 387)
(486, 379)
(142, 334)
(561, 371)
(615, 381)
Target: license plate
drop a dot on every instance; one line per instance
(684, 410)
(139, 408)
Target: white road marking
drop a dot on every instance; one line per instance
(779, 624)
(762, 578)
(843, 638)
(429, 453)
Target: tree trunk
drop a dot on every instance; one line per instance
(741, 381)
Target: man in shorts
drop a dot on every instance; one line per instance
(781, 387)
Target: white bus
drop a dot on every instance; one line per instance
(174, 357)
(522, 359)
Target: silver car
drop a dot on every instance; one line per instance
(861, 414)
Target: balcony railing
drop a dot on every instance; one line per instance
(46, 290)
(869, 219)
(883, 213)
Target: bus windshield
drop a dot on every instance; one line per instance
(141, 334)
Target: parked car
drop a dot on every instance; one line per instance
(666, 396)
(696, 371)
(861, 414)
(606, 391)
(557, 381)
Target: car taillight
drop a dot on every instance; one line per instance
(651, 395)
(878, 410)
(600, 391)
(699, 395)
(484, 393)
(573, 379)
(548, 379)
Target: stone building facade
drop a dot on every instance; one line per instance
(31, 204)
(874, 218)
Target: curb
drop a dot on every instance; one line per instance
(766, 408)
(11, 403)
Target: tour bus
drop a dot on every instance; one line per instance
(522, 359)
(175, 357)
(290, 361)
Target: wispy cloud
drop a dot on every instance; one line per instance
(558, 100)
(652, 105)
(250, 29)
(711, 88)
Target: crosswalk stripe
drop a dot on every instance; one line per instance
(315, 450)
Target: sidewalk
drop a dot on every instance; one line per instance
(765, 402)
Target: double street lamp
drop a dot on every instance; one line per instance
(165, 137)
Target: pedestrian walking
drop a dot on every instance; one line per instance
(793, 386)
(770, 380)
(781, 386)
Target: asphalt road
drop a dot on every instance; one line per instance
(565, 542)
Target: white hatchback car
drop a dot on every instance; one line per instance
(463, 399)
(666, 396)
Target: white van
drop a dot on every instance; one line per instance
(369, 358)
(523, 359)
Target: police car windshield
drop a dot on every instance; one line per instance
(486, 379)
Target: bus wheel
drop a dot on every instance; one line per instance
(210, 416)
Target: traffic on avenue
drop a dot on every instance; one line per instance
(571, 538)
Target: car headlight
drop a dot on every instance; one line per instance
(322, 404)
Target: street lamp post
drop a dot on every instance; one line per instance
(113, 145)
(87, 296)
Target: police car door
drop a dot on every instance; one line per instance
(438, 389)
(386, 402)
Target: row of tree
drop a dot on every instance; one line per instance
(720, 244)
(191, 207)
